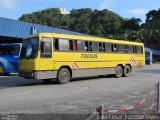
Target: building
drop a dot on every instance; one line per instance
(63, 11)
(12, 31)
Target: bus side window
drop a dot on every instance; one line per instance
(95, 47)
(71, 44)
(64, 44)
(135, 49)
(56, 44)
(126, 48)
(81, 45)
(86, 46)
(139, 49)
(75, 45)
(100, 47)
(109, 47)
(103, 47)
(142, 50)
(129, 48)
(114, 48)
(121, 48)
(90, 46)
(46, 48)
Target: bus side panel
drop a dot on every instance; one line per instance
(89, 64)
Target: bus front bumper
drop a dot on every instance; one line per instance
(27, 75)
(38, 74)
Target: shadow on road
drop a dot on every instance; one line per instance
(16, 81)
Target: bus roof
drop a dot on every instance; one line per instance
(77, 37)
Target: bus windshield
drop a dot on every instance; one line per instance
(147, 54)
(29, 48)
(9, 50)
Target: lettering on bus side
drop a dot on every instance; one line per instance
(89, 56)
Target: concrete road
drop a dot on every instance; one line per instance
(18, 95)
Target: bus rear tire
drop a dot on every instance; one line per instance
(63, 76)
(127, 71)
(118, 71)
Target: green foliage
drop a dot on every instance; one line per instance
(94, 22)
(50, 17)
(131, 24)
(81, 19)
(103, 23)
(152, 29)
(153, 19)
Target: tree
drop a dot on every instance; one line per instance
(100, 23)
(81, 19)
(152, 29)
(103, 23)
(131, 24)
(153, 19)
(50, 17)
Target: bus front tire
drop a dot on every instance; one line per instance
(118, 71)
(127, 70)
(63, 76)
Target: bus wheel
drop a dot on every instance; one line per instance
(118, 71)
(127, 70)
(63, 76)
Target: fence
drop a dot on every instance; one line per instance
(101, 110)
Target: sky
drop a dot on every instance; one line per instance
(126, 8)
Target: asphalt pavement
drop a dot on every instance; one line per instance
(80, 96)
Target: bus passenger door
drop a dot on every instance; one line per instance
(46, 54)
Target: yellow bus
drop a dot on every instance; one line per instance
(49, 55)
